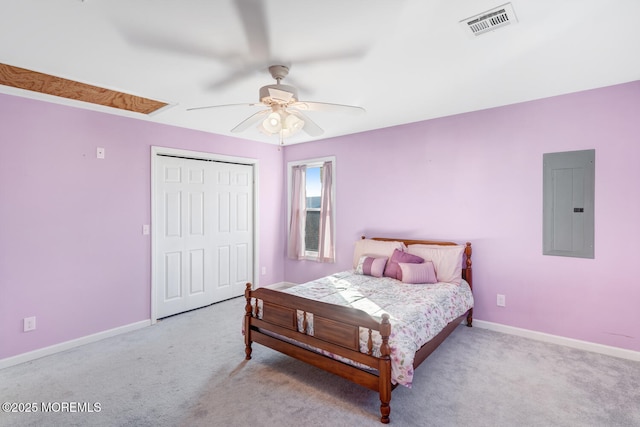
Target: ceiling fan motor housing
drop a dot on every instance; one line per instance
(278, 94)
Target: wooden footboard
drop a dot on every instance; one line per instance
(271, 319)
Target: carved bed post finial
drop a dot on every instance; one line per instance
(247, 322)
(385, 370)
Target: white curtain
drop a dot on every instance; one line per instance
(295, 245)
(325, 245)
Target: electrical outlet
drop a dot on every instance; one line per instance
(501, 301)
(29, 323)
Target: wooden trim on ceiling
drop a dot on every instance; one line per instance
(22, 78)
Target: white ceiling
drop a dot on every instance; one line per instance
(402, 60)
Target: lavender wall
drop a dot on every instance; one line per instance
(478, 177)
(72, 251)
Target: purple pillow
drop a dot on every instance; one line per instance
(371, 265)
(418, 273)
(393, 269)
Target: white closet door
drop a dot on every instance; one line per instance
(233, 239)
(203, 232)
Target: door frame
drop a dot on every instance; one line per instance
(198, 155)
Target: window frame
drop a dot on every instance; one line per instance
(310, 163)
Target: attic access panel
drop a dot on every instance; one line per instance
(21, 78)
(568, 203)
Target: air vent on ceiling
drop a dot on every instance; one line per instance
(490, 20)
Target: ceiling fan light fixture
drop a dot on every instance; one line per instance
(293, 124)
(281, 123)
(272, 124)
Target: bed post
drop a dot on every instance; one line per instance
(469, 279)
(247, 322)
(384, 371)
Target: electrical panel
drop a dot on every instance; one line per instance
(568, 203)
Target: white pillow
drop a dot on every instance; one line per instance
(375, 248)
(447, 260)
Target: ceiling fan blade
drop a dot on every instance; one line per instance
(256, 29)
(249, 121)
(154, 39)
(355, 53)
(324, 106)
(221, 106)
(310, 127)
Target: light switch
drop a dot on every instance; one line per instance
(145, 229)
(100, 153)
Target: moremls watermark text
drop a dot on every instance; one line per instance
(54, 407)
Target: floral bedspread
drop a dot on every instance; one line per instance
(417, 312)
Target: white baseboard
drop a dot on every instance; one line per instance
(281, 285)
(56, 348)
(555, 339)
(526, 333)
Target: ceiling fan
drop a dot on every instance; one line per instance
(284, 113)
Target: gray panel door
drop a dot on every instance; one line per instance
(568, 203)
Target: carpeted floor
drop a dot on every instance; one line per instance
(189, 370)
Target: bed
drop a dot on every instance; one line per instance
(357, 323)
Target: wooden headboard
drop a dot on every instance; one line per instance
(466, 267)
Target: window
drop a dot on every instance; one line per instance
(313, 187)
(311, 207)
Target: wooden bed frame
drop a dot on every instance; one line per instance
(337, 330)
